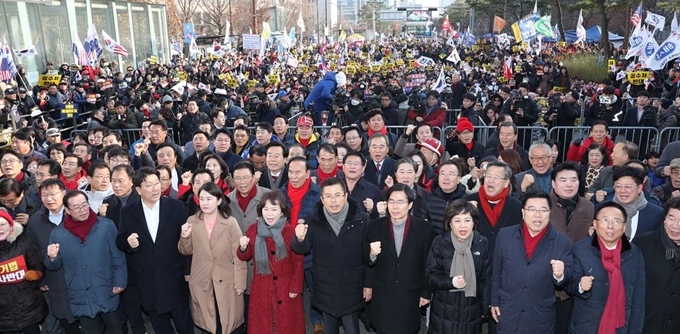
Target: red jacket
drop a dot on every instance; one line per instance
(270, 293)
(435, 118)
(576, 152)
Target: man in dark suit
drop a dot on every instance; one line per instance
(223, 140)
(639, 116)
(379, 165)
(121, 181)
(399, 245)
(149, 230)
(275, 173)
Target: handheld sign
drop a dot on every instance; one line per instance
(47, 79)
(69, 111)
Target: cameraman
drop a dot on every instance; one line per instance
(356, 97)
(124, 118)
(607, 107)
(431, 112)
(567, 111)
(323, 94)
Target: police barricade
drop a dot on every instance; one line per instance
(530, 134)
(451, 117)
(565, 135)
(667, 135)
(128, 136)
(482, 134)
(645, 137)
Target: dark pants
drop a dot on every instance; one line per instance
(246, 304)
(73, 328)
(314, 315)
(181, 316)
(131, 310)
(32, 329)
(51, 324)
(111, 321)
(563, 311)
(350, 323)
(365, 315)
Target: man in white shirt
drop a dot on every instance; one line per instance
(98, 185)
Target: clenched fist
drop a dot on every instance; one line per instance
(459, 282)
(243, 242)
(389, 181)
(586, 283)
(102, 209)
(186, 230)
(600, 195)
(186, 178)
(368, 203)
(52, 251)
(382, 208)
(301, 232)
(527, 181)
(558, 269)
(133, 240)
(375, 248)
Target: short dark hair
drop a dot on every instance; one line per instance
(673, 203)
(201, 171)
(126, 168)
(88, 147)
(637, 162)
(104, 130)
(354, 154)
(636, 174)
(333, 181)
(117, 134)
(283, 147)
(535, 194)
(652, 155)
(49, 183)
(350, 129)
(400, 187)
(565, 166)
(78, 159)
(54, 167)
(598, 147)
(265, 126)
(95, 166)
(72, 194)
(160, 123)
(141, 174)
(328, 148)
(244, 164)
(214, 190)
(119, 151)
(259, 150)
(56, 147)
(16, 154)
(275, 197)
(300, 159)
(600, 122)
(205, 156)
(241, 127)
(611, 204)
(457, 207)
(10, 186)
(22, 135)
(459, 167)
(201, 132)
(509, 125)
(432, 93)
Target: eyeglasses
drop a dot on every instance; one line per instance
(607, 221)
(399, 202)
(544, 158)
(494, 177)
(120, 161)
(448, 175)
(79, 208)
(353, 163)
(626, 187)
(101, 177)
(8, 161)
(333, 197)
(533, 211)
(50, 195)
(243, 179)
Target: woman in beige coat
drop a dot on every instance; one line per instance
(218, 277)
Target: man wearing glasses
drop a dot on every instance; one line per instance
(530, 262)
(608, 284)
(98, 185)
(149, 231)
(445, 189)
(538, 177)
(95, 270)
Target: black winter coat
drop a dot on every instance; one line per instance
(662, 285)
(22, 303)
(436, 205)
(190, 123)
(451, 312)
(399, 281)
(455, 147)
(339, 264)
(510, 215)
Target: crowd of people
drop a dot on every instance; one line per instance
(221, 215)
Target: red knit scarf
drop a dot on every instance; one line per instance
(20, 176)
(530, 242)
(197, 202)
(304, 142)
(224, 186)
(243, 201)
(470, 146)
(167, 191)
(614, 315)
(80, 229)
(323, 175)
(492, 214)
(296, 196)
(72, 185)
(371, 132)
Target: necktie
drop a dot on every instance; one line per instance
(274, 178)
(377, 167)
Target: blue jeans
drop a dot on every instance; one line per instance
(314, 315)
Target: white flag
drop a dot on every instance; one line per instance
(227, 40)
(292, 61)
(454, 57)
(441, 81)
(301, 23)
(535, 7)
(580, 30)
(667, 51)
(637, 39)
(656, 20)
(27, 52)
(674, 22)
(649, 47)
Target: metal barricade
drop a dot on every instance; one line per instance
(565, 135)
(482, 133)
(529, 134)
(667, 135)
(451, 116)
(646, 138)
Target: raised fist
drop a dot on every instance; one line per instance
(52, 251)
(243, 242)
(133, 240)
(587, 283)
(375, 248)
(186, 230)
(301, 231)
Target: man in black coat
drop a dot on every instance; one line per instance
(525, 113)
(660, 250)
(379, 165)
(191, 121)
(639, 116)
(399, 284)
(445, 190)
(223, 142)
(159, 270)
(276, 173)
(39, 229)
(337, 229)
(507, 137)
(362, 191)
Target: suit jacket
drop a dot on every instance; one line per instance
(158, 268)
(264, 179)
(113, 211)
(399, 281)
(371, 174)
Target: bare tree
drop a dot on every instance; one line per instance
(217, 12)
(187, 9)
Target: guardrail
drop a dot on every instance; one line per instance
(647, 138)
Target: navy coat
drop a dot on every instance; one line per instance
(386, 169)
(588, 306)
(524, 289)
(649, 219)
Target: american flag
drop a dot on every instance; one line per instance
(113, 46)
(7, 67)
(637, 16)
(92, 46)
(79, 51)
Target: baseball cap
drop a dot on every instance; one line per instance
(305, 121)
(433, 145)
(52, 132)
(9, 91)
(675, 163)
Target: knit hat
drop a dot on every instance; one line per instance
(305, 121)
(666, 103)
(340, 79)
(433, 145)
(4, 214)
(464, 124)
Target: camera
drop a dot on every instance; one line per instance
(648, 111)
(554, 101)
(253, 105)
(520, 101)
(414, 99)
(341, 98)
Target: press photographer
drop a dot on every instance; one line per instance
(431, 112)
(607, 107)
(524, 112)
(341, 108)
(564, 109)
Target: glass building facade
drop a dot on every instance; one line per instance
(141, 28)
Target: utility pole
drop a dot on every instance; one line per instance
(255, 17)
(373, 37)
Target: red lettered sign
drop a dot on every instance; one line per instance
(13, 270)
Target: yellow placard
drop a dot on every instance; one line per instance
(501, 79)
(334, 66)
(442, 55)
(400, 62)
(610, 64)
(182, 76)
(252, 83)
(429, 68)
(375, 68)
(351, 70)
(388, 66)
(69, 111)
(561, 44)
(153, 60)
(448, 68)
(47, 79)
(518, 69)
(363, 69)
(475, 48)
(638, 77)
(232, 83)
(273, 79)
(222, 76)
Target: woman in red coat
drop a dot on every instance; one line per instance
(276, 293)
(599, 133)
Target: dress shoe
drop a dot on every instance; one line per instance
(318, 328)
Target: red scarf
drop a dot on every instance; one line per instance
(243, 201)
(80, 229)
(296, 196)
(530, 242)
(20, 176)
(470, 146)
(224, 186)
(304, 142)
(72, 185)
(198, 203)
(323, 175)
(371, 132)
(492, 214)
(614, 315)
(167, 192)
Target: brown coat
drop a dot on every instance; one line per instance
(216, 271)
